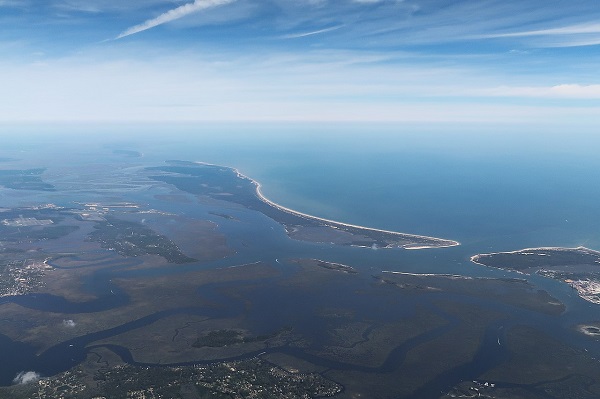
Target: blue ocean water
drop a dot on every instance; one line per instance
(495, 188)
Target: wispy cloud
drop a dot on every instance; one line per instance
(172, 15)
(565, 30)
(315, 32)
(575, 35)
(573, 91)
(14, 3)
(78, 7)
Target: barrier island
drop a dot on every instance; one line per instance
(228, 184)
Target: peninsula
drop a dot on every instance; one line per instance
(229, 184)
(579, 267)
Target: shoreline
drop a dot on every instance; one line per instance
(580, 248)
(451, 243)
(451, 276)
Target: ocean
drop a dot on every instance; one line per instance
(492, 188)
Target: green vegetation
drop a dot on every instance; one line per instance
(539, 257)
(224, 215)
(253, 378)
(579, 267)
(134, 239)
(221, 338)
(547, 367)
(336, 266)
(27, 179)
(226, 184)
(33, 224)
(516, 292)
(35, 234)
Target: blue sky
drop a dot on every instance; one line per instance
(475, 61)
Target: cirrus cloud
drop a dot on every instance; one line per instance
(173, 15)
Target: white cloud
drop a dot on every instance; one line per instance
(570, 91)
(173, 15)
(25, 377)
(312, 86)
(316, 32)
(69, 323)
(577, 35)
(565, 30)
(86, 7)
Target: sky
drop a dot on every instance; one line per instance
(440, 61)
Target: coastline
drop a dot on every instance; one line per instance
(334, 223)
(452, 276)
(522, 252)
(587, 287)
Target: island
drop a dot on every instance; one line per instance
(228, 184)
(26, 179)
(325, 265)
(579, 267)
(135, 239)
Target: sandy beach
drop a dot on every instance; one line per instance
(334, 223)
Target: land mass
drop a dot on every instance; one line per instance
(135, 239)
(579, 267)
(27, 179)
(513, 291)
(251, 378)
(228, 184)
(325, 265)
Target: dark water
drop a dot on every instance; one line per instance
(491, 190)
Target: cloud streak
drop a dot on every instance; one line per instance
(584, 34)
(573, 91)
(316, 32)
(565, 30)
(173, 15)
